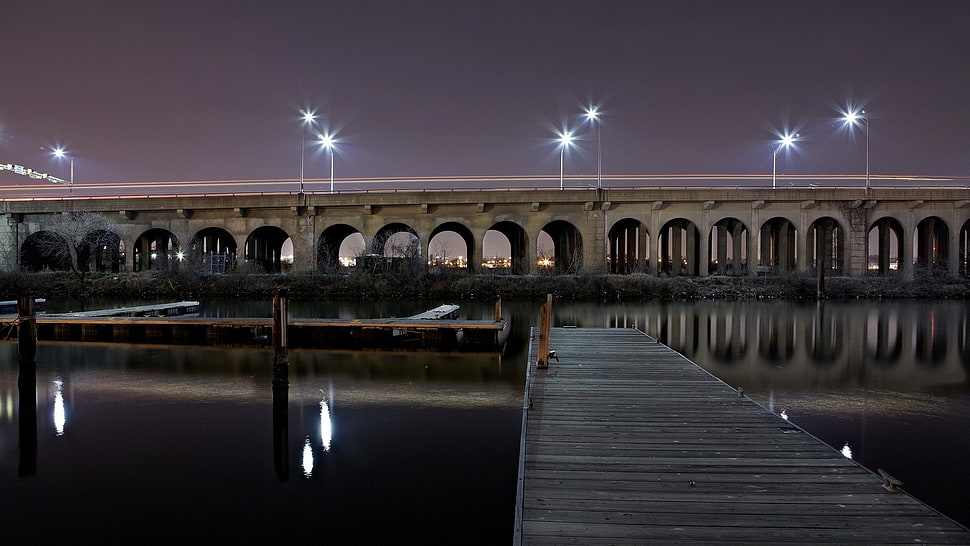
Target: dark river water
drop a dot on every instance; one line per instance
(162, 444)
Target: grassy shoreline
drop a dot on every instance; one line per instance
(465, 287)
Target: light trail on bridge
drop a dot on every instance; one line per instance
(317, 186)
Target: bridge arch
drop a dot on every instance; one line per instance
(440, 247)
(213, 250)
(885, 254)
(519, 247)
(44, 250)
(778, 244)
(397, 240)
(930, 244)
(264, 249)
(728, 247)
(156, 249)
(628, 247)
(567, 244)
(679, 248)
(329, 244)
(102, 251)
(826, 241)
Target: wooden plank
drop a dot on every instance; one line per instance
(447, 311)
(152, 310)
(625, 441)
(267, 322)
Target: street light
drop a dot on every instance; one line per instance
(308, 118)
(60, 153)
(565, 139)
(786, 140)
(327, 142)
(860, 118)
(592, 114)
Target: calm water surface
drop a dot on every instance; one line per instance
(161, 443)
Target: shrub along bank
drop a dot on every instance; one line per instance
(465, 287)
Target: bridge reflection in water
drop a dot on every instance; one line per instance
(765, 344)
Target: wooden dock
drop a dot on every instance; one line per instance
(177, 308)
(437, 329)
(628, 442)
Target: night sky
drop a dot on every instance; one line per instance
(212, 89)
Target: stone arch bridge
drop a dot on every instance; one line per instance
(659, 231)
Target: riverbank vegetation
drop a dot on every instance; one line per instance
(465, 287)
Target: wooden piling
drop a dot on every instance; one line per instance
(280, 356)
(545, 323)
(498, 310)
(26, 330)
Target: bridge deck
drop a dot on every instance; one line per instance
(629, 442)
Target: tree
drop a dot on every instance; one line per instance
(81, 240)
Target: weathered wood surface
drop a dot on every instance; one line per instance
(446, 311)
(401, 323)
(628, 442)
(150, 310)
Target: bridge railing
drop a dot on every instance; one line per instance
(152, 190)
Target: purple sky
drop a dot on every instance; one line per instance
(211, 89)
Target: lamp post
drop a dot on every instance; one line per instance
(308, 118)
(564, 141)
(786, 141)
(60, 153)
(861, 118)
(592, 114)
(327, 142)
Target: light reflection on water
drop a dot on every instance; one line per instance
(885, 382)
(196, 429)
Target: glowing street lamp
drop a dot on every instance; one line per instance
(308, 118)
(860, 118)
(592, 114)
(327, 142)
(564, 141)
(786, 141)
(60, 154)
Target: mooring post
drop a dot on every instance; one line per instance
(26, 331)
(498, 310)
(545, 323)
(280, 357)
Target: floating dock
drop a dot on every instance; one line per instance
(178, 308)
(9, 307)
(437, 329)
(625, 441)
